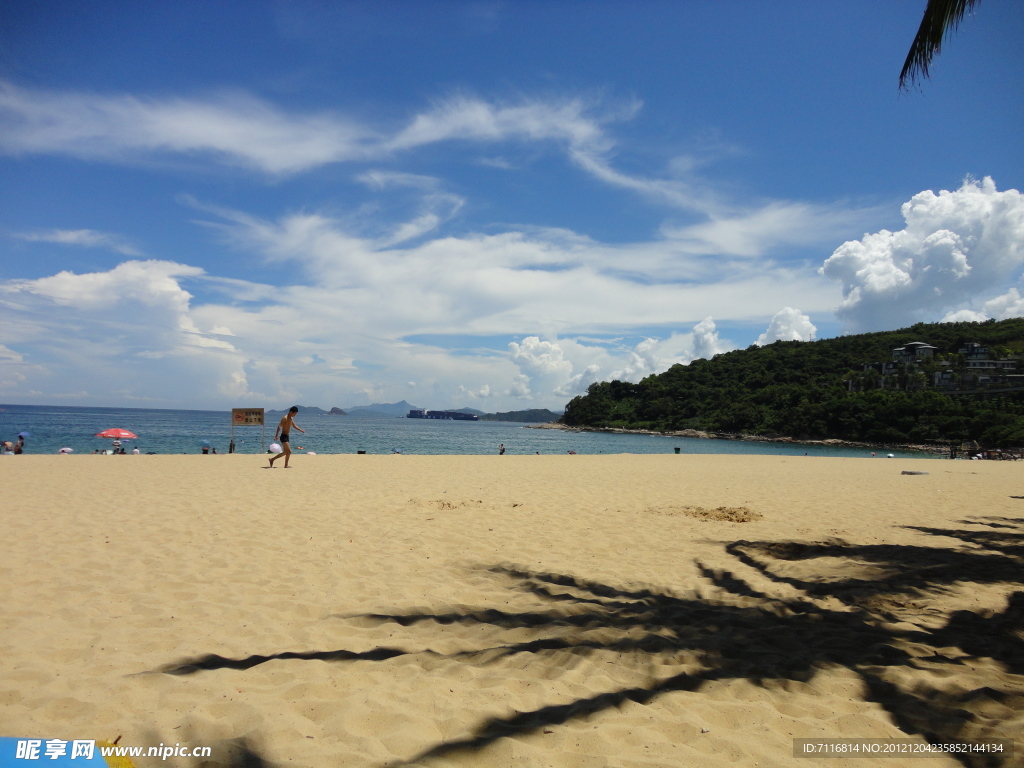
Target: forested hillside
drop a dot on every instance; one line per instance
(800, 389)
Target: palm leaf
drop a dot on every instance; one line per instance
(940, 17)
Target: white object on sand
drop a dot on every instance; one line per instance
(275, 448)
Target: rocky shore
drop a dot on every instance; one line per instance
(936, 449)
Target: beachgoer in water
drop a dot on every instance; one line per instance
(206, 450)
(136, 451)
(284, 429)
(501, 449)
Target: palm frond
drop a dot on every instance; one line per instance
(940, 17)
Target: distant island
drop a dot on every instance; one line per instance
(930, 383)
(531, 416)
(401, 409)
(308, 410)
(381, 410)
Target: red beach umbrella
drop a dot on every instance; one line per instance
(117, 434)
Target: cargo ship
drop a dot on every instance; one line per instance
(419, 413)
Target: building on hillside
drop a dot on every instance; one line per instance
(914, 352)
(977, 368)
(982, 369)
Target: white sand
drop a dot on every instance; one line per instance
(567, 611)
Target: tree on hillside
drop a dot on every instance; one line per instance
(940, 18)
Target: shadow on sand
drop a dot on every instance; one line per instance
(879, 619)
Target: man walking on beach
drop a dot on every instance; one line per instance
(283, 429)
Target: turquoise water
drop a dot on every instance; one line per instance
(169, 431)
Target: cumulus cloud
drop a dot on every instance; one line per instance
(957, 248)
(1010, 304)
(964, 316)
(541, 364)
(642, 360)
(578, 383)
(89, 238)
(537, 357)
(706, 343)
(788, 324)
(129, 330)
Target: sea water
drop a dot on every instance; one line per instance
(172, 431)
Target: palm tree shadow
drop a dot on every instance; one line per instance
(864, 623)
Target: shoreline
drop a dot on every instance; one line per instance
(698, 434)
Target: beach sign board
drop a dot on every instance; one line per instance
(247, 417)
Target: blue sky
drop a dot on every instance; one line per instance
(484, 204)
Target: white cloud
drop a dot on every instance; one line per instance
(539, 358)
(240, 130)
(89, 238)
(642, 360)
(358, 297)
(957, 248)
(706, 343)
(752, 232)
(542, 366)
(788, 324)
(578, 383)
(128, 330)
(482, 393)
(9, 355)
(477, 120)
(234, 127)
(964, 316)
(1010, 304)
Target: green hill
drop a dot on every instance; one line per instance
(802, 390)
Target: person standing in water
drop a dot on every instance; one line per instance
(284, 429)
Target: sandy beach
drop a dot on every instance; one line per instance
(557, 611)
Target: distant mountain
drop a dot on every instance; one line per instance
(336, 411)
(531, 416)
(303, 409)
(389, 410)
(474, 411)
